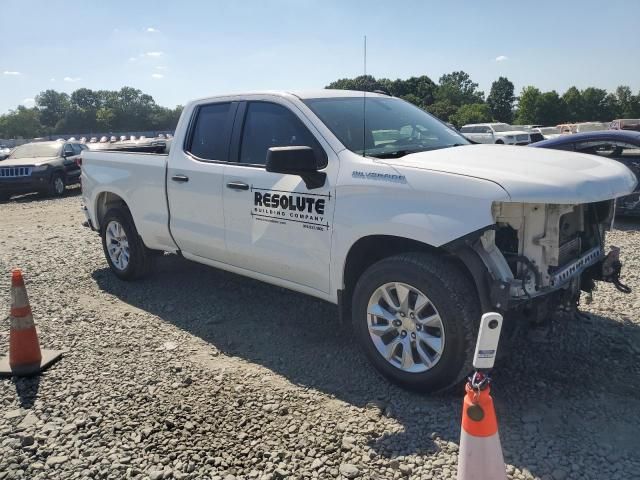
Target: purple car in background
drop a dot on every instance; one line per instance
(620, 145)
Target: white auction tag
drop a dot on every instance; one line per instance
(488, 337)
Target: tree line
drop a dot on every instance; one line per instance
(455, 99)
(458, 100)
(87, 111)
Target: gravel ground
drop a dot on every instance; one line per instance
(198, 373)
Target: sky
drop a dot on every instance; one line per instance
(180, 50)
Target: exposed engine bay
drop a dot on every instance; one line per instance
(554, 251)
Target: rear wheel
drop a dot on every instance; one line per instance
(123, 248)
(415, 316)
(499, 142)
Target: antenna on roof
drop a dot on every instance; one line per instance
(364, 102)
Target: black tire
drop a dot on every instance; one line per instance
(499, 142)
(452, 294)
(54, 190)
(140, 257)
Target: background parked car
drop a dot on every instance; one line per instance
(501, 133)
(567, 128)
(550, 132)
(534, 131)
(591, 127)
(4, 151)
(130, 144)
(539, 133)
(626, 124)
(45, 167)
(620, 145)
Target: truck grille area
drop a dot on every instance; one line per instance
(556, 243)
(15, 172)
(561, 275)
(569, 250)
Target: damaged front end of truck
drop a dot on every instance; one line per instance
(537, 258)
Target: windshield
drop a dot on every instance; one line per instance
(393, 127)
(33, 150)
(502, 127)
(550, 131)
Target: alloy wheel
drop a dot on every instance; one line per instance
(117, 245)
(405, 327)
(58, 185)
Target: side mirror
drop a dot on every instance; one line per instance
(296, 160)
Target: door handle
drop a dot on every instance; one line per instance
(180, 178)
(238, 186)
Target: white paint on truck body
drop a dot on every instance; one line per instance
(432, 197)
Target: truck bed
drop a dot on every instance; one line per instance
(140, 177)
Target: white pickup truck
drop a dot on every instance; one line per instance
(369, 203)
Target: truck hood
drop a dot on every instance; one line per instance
(24, 162)
(530, 175)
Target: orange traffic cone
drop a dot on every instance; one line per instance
(25, 356)
(480, 455)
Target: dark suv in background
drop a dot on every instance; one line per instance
(45, 167)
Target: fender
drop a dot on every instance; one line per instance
(429, 207)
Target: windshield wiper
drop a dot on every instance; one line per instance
(394, 154)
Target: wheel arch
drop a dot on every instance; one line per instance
(57, 171)
(137, 256)
(370, 249)
(104, 202)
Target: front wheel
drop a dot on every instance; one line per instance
(415, 316)
(57, 186)
(127, 256)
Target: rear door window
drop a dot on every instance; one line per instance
(209, 139)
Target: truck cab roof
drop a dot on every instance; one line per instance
(301, 94)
